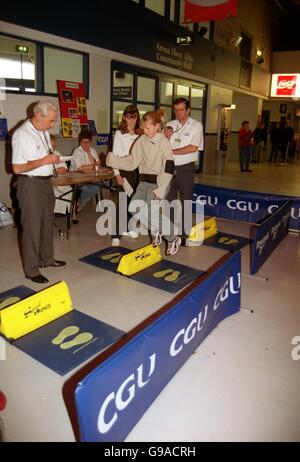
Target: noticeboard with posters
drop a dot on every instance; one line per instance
(72, 105)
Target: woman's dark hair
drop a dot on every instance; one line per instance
(245, 122)
(133, 112)
(85, 135)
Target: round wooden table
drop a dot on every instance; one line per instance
(75, 179)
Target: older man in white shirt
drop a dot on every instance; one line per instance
(33, 161)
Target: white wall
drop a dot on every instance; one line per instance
(215, 97)
(247, 108)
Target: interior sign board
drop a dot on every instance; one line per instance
(122, 92)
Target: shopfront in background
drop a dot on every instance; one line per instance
(151, 90)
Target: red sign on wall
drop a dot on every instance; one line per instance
(72, 105)
(286, 85)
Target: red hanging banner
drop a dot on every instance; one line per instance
(209, 10)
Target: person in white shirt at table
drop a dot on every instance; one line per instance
(85, 159)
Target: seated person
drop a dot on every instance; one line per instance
(61, 206)
(85, 159)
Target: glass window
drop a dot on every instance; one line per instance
(118, 109)
(61, 65)
(17, 67)
(196, 114)
(245, 73)
(197, 97)
(183, 91)
(181, 13)
(156, 5)
(204, 29)
(167, 113)
(143, 108)
(172, 10)
(189, 25)
(166, 92)
(146, 89)
(246, 46)
(122, 85)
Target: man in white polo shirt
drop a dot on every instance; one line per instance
(186, 140)
(33, 161)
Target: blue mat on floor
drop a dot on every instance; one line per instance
(87, 337)
(165, 275)
(228, 242)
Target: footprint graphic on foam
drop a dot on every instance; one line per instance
(173, 276)
(80, 339)
(66, 332)
(227, 241)
(232, 241)
(8, 301)
(163, 273)
(222, 240)
(112, 257)
(168, 275)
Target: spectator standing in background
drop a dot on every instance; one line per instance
(258, 140)
(245, 143)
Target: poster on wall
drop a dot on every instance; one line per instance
(72, 105)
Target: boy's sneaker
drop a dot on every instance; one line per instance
(115, 242)
(156, 239)
(173, 246)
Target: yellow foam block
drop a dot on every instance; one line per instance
(204, 230)
(35, 311)
(139, 260)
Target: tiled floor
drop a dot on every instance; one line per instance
(240, 385)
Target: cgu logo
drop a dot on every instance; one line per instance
(124, 395)
(205, 200)
(231, 286)
(272, 208)
(243, 206)
(185, 336)
(295, 213)
(289, 84)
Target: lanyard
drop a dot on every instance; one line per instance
(180, 131)
(88, 157)
(44, 141)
